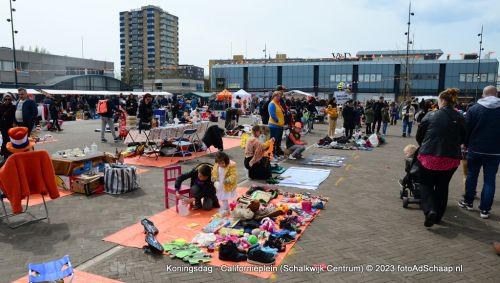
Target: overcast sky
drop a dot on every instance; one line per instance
(299, 28)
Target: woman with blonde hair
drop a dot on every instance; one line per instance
(440, 136)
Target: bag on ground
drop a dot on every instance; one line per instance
(119, 179)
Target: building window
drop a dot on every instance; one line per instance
(491, 77)
(22, 65)
(7, 66)
(461, 78)
(150, 21)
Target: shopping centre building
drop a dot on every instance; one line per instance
(370, 73)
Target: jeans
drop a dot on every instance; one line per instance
(407, 124)
(277, 134)
(490, 168)
(378, 122)
(110, 122)
(384, 128)
(92, 113)
(297, 149)
(394, 121)
(369, 128)
(434, 187)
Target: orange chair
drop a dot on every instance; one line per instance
(170, 174)
(24, 174)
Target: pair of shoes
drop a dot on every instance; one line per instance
(430, 219)
(149, 227)
(484, 214)
(256, 255)
(104, 140)
(404, 135)
(275, 243)
(229, 252)
(465, 205)
(153, 245)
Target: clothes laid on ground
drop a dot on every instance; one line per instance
(324, 160)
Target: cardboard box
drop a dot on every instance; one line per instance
(87, 185)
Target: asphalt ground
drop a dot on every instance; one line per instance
(364, 225)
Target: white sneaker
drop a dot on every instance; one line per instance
(484, 214)
(291, 157)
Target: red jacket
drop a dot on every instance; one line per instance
(27, 173)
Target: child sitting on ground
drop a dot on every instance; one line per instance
(409, 152)
(202, 187)
(294, 146)
(225, 178)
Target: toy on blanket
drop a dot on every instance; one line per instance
(242, 212)
(204, 239)
(215, 224)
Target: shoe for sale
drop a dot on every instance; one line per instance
(430, 219)
(229, 252)
(153, 244)
(465, 205)
(275, 243)
(149, 226)
(484, 214)
(258, 256)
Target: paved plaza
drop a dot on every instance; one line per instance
(363, 224)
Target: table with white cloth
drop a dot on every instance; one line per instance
(160, 133)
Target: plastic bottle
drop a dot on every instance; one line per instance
(93, 148)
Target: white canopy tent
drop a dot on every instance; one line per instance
(103, 92)
(242, 94)
(298, 93)
(14, 90)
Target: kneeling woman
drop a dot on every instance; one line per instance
(258, 166)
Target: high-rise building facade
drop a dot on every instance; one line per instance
(149, 44)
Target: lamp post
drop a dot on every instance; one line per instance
(480, 35)
(11, 20)
(408, 42)
(265, 57)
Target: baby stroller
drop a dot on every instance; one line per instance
(410, 191)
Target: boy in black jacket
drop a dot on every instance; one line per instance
(202, 187)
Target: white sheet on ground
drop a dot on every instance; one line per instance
(304, 178)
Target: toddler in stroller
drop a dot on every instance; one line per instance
(407, 183)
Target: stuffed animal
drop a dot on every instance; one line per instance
(267, 225)
(242, 212)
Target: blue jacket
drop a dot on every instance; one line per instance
(483, 132)
(30, 111)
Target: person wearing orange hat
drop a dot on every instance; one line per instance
(19, 142)
(294, 145)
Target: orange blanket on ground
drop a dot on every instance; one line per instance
(27, 173)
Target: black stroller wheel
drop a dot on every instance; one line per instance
(405, 202)
(403, 193)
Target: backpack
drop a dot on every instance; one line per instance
(102, 106)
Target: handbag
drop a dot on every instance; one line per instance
(120, 179)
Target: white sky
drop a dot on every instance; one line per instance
(299, 28)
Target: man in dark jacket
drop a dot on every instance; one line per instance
(26, 111)
(7, 114)
(202, 188)
(348, 115)
(483, 143)
(131, 105)
(107, 119)
(377, 113)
